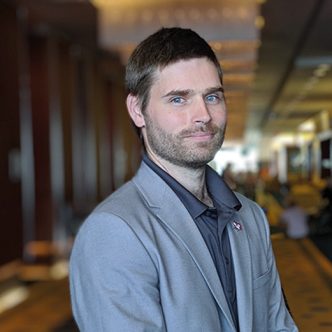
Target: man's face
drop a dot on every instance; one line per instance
(185, 118)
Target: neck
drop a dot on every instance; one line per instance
(192, 179)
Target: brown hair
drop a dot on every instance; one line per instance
(164, 47)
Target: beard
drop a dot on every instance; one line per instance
(177, 148)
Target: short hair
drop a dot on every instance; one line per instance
(164, 47)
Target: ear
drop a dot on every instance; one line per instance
(134, 110)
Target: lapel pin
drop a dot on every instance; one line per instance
(237, 226)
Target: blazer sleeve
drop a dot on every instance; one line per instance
(113, 280)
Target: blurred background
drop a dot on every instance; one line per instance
(66, 141)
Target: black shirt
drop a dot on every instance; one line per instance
(211, 222)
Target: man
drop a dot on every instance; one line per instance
(294, 219)
(175, 249)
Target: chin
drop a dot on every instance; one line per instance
(196, 163)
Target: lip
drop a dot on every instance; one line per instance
(201, 136)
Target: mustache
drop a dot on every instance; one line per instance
(204, 128)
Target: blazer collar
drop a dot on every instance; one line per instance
(242, 260)
(220, 191)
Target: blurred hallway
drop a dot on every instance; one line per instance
(67, 142)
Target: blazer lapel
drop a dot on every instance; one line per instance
(174, 215)
(242, 268)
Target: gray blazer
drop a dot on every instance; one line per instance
(139, 263)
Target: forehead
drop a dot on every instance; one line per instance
(195, 74)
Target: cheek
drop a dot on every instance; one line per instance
(171, 122)
(219, 117)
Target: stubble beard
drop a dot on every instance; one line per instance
(172, 147)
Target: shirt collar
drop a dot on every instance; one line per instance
(220, 193)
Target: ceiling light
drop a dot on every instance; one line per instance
(163, 16)
(307, 126)
(147, 15)
(227, 12)
(180, 14)
(212, 13)
(194, 14)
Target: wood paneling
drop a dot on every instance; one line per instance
(10, 184)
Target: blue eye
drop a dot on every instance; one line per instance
(212, 99)
(177, 100)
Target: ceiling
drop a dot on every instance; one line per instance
(276, 54)
(293, 81)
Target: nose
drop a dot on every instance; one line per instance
(200, 112)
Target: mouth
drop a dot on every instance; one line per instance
(200, 136)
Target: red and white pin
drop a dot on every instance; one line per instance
(237, 226)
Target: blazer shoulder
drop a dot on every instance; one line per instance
(137, 201)
(249, 205)
(124, 200)
(145, 190)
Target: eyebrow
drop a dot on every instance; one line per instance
(214, 89)
(181, 93)
(184, 93)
